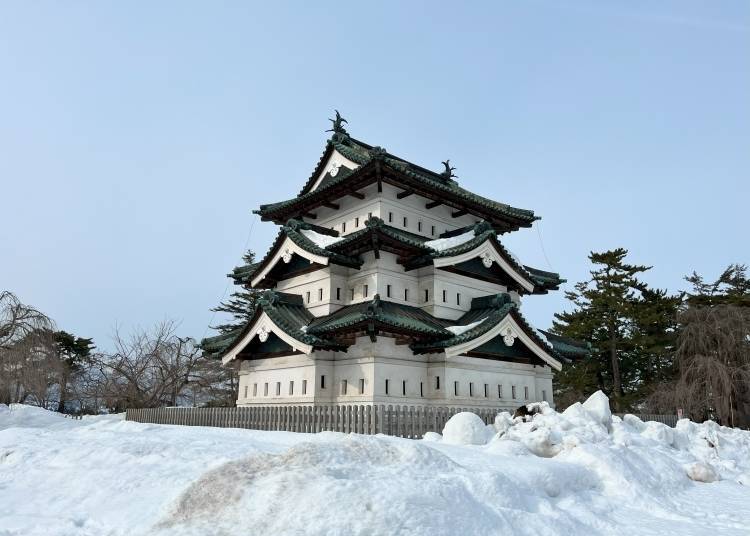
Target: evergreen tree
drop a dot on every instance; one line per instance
(629, 326)
(731, 288)
(241, 303)
(72, 352)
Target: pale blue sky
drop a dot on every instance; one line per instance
(136, 137)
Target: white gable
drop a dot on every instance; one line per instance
(334, 162)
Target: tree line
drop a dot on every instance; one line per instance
(657, 352)
(51, 368)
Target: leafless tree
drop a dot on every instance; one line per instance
(26, 358)
(713, 357)
(150, 368)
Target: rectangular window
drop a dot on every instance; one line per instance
(356, 222)
(278, 388)
(526, 393)
(387, 386)
(265, 389)
(445, 296)
(432, 230)
(406, 294)
(421, 389)
(406, 221)
(351, 294)
(338, 293)
(291, 387)
(361, 386)
(245, 392)
(455, 388)
(388, 291)
(513, 392)
(437, 383)
(307, 296)
(320, 294)
(369, 215)
(390, 217)
(403, 387)
(499, 391)
(304, 387)
(343, 228)
(419, 226)
(322, 382)
(426, 295)
(544, 395)
(364, 290)
(255, 389)
(344, 385)
(458, 298)
(471, 388)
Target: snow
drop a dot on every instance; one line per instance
(458, 330)
(321, 240)
(465, 428)
(570, 473)
(441, 244)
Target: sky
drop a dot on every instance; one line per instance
(136, 138)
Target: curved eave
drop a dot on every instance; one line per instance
(505, 322)
(290, 242)
(286, 320)
(386, 168)
(380, 237)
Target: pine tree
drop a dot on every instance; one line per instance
(628, 326)
(731, 288)
(72, 352)
(241, 303)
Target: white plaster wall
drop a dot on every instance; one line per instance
(376, 362)
(391, 210)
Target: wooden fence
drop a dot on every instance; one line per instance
(394, 420)
(669, 420)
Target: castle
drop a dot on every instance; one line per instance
(389, 283)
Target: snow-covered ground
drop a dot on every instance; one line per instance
(578, 472)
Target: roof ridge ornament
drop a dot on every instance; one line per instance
(339, 132)
(447, 173)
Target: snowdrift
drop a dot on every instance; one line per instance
(582, 471)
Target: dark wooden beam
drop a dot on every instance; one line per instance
(433, 204)
(358, 195)
(310, 215)
(405, 193)
(332, 206)
(459, 213)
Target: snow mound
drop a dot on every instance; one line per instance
(597, 406)
(701, 472)
(465, 428)
(432, 436)
(558, 474)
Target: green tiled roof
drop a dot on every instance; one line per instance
(243, 274)
(490, 310)
(375, 225)
(483, 231)
(292, 231)
(569, 348)
(364, 154)
(385, 314)
(287, 311)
